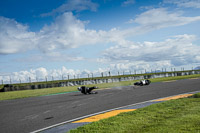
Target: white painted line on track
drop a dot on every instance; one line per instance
(65, 122)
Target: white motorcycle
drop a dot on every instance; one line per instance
(142, 82)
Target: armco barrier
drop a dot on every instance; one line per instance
(9, 87)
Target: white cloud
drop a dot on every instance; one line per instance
(140, 66)
(41, 74)
(130, 21)
(185, 3)
(155, 19)
(57, 56)
(73, 5)
(128, 2)
(22, 76)
(68, 32)
(15, 37)
(161, 18)
(175, 51)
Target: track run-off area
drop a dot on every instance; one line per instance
(31, 114)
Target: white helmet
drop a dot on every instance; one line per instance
(79, 88)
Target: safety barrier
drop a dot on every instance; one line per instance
(10, 87)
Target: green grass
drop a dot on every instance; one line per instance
(195, 95)
(174, 116)
(48, 91)
(33, 93)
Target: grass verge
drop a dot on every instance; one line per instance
(49, 91)
(174, 116)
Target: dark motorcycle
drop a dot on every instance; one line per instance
(87, 90)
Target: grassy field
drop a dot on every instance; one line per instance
(49, 91)
(174, 116)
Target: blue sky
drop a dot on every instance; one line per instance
(79, 37)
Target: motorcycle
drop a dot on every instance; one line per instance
(87, 90)
(142, 82)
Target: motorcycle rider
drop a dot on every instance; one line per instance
(143, 82)
(87, 90)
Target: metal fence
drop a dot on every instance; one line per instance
(28, 79)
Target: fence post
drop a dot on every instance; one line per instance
(2, 81)
(68, 77)
(102, 74)
(46, 78)
(30, 79)
(109, 73)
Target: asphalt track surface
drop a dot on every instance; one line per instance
(30, 114)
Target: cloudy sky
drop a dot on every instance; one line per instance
(79, 37)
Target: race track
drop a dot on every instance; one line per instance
(30, 114)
